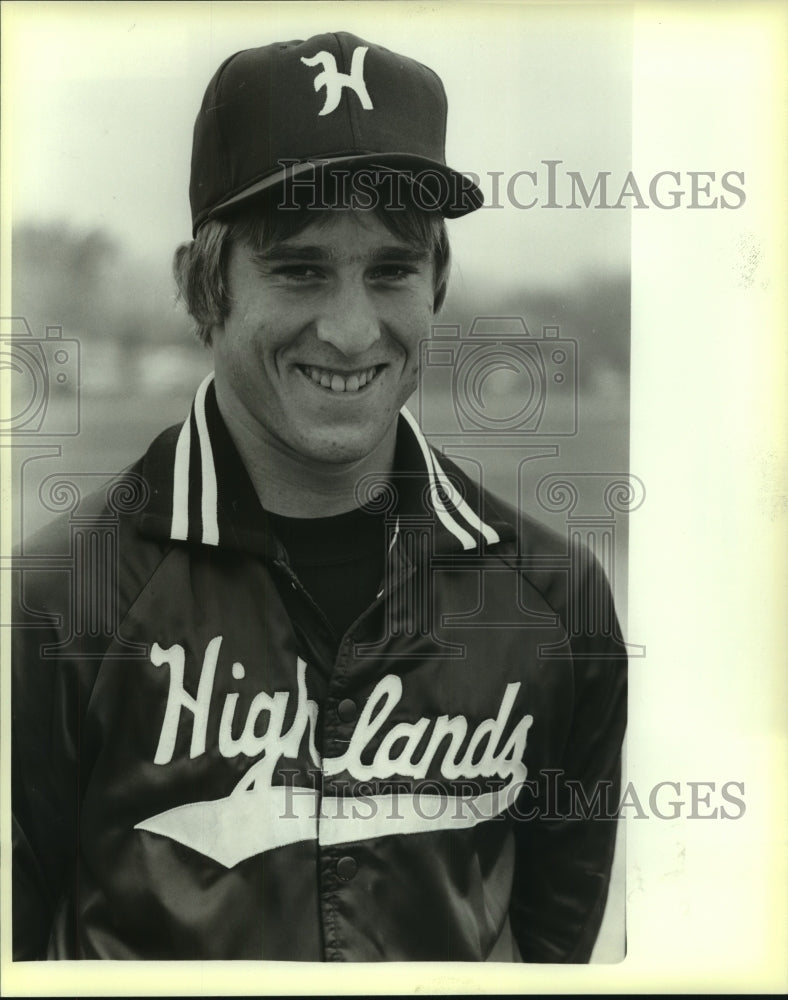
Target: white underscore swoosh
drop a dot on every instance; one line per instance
(247, 823)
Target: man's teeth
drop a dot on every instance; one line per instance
(340, 383)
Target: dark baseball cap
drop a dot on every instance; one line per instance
(333, 101)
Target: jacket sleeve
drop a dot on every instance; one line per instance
(46, 708)
(565, 850)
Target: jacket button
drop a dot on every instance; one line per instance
(347, 868)
(347, 711)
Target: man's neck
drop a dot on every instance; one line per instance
(287, 483)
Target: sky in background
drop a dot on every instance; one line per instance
(105, 95)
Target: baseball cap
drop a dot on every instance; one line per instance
(333, 101)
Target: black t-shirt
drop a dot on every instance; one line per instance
(340, 560)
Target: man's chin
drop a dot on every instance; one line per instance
(339, 454)
(346, 449)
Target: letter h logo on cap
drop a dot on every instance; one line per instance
(334, 81)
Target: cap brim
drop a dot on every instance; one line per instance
(439, 188)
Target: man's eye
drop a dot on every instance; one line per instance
(393, 272)
(297, 272)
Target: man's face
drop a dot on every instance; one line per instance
(320, 349)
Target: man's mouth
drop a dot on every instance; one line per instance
(341, 381)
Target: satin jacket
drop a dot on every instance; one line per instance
(197, 775)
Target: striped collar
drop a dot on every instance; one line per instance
(202, 494)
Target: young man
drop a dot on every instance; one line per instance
(249, 719)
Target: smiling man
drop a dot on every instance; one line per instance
(319, 697)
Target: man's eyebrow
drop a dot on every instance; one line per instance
(285, 251)
(404, 252)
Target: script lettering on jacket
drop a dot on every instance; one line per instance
(275, 742)
(506, 763)
(398, 751)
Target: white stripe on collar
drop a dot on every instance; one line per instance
(208, 487)
(439, 477)
(490, 534)
(179, 530)
(210, 512)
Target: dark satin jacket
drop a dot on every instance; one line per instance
(196, 774)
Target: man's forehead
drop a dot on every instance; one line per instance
(346, 233)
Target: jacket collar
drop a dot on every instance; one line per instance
(201, 493)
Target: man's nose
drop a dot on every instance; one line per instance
(349, 322)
